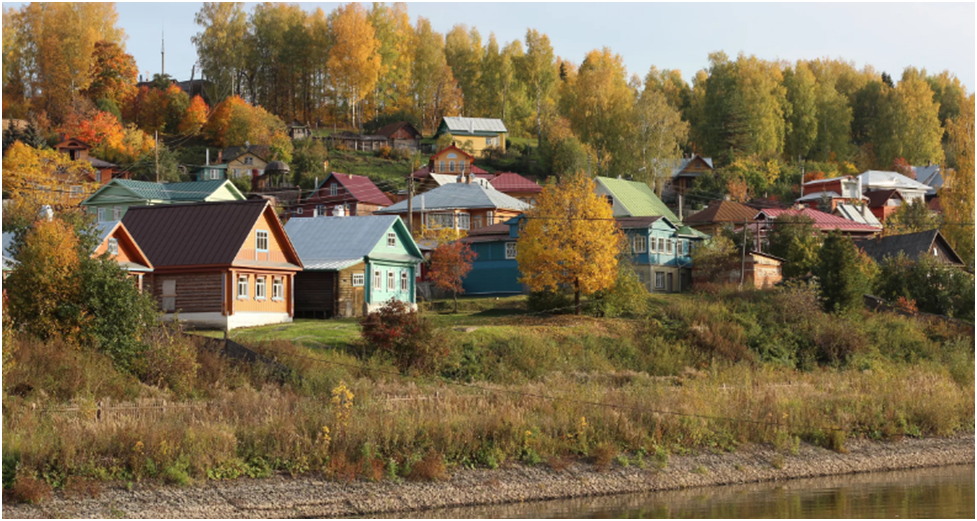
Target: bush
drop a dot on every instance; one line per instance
(406, 336)
(557, 303)
(834, 341)
(627, 297)
(170, 360)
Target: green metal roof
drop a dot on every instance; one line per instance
(188, 191)
(638, 198)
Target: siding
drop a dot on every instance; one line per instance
(276, 240)
(315, 294)
(195, 292)
(251, 303)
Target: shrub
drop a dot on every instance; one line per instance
(170, 359)
(842, 274)
(403, 334)
(834, 340)
(430, 468)
(555, 302)
(28, 489)
(626, 298)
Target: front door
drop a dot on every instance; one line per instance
(668, 286)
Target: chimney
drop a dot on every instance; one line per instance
(220, 156)
(208, 156)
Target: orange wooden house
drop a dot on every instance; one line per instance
(115, 239)
(78, 150)
(224, 265)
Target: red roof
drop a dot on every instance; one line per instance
(425, 170)
(510, 182)
(824, 221)
(360, 188)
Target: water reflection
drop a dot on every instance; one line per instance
(943, 492)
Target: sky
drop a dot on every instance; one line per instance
(888, 36)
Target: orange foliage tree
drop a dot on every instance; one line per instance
(450, 263)
(45, 177)
(234, 122)
(194, 118)
(570, 240)
(45, 285)
(113, 73)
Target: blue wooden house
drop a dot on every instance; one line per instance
(661, 252)
(494, 270)
(352, 265)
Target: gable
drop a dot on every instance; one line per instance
(405, 243)
(279, 247)
(458, 153)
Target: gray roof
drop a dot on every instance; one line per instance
(459, 196)
(335, 243)
(459, 125)
(913, 245)
(104, 229)
(931, 176)
(8, 258)
(877, 179)
(679, 164)
(859, 214)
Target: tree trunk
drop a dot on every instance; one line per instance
(456, 301)
(576, 296)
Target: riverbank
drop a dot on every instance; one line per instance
(283, 497)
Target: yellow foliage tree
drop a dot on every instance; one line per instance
(45, 284)
(44, 177)
(354, 59)
(957, 194)
(570, 240)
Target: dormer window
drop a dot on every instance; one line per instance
(249, 160)
(261, 240)
(391, 240)
(333, 190)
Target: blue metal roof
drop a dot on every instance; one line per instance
(334, 243)
(8, 258)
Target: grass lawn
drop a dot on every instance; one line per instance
(389, 174)
(310, 333)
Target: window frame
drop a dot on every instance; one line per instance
(659, 280)
(441, 165)
(451, 166)
(299, 211)
(358, 276)
(243, 282)
(333, 190)
(652, 245)
(116, 213)
(669, 246)
(377, 280)
(661, 245)
(260, 287)
(258, 235)
(391, 240)
(640, 244)
(463, 220)
(514, 250)
(113, 246)
(277, 288)
(101, 214)
(391, 281)
(404, 281)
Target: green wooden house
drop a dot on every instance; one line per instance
(111, 201)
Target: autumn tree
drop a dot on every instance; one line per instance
(536, 70)
(394, 32)
(427, 73)
(801, 114)
(463, 53)
(794, 239)
(34, 178)
(911, 217)
(44, 290)
(194, 118)
(659, 135)
(715, 259)
(570, 240)
(354, 59)
(220, 48)
(450, 263)
(113, 74)
(957, 193)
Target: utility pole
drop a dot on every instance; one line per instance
(156, 146)
(680, 205)
(410, 204)
(743, 260)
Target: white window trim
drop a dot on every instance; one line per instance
(659, 277)
(652, 245)
(640, 244)
(113, 247)
(391, 282)
(661, 245)
(101, 214)
(404, 281)
(116, 213)
(299, 210)
(257, 240)
(277, 289)
(669, 247)
(333, 190)
(511, 256)
(464, 220)
(361, 277)
(391, 240)
(377, 280)
(242, 283)
(260, 282)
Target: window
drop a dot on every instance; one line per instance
(489, 218)
(277, 289)
(441, 166)
(441, 220)
(101, 215)
(377, 280)
(451, 166)
(640, 244)
(510, 250)
(242, 286)
(461, 166)
(259, 288)
(333, 189)
(320, 210)
(659, 280)
(404, 282)
(477, 222)
(76, 190)
(169, 295)
(116, 213)
(299, 210)
(668, 246)
(488, 142)
(113, 246)
(261, 240)
(249, 160)
(652, 247)
(391, 240)
(390, 281)
(236, 172)
(464, 221)
(358, 280)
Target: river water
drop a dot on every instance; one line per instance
(940, 492)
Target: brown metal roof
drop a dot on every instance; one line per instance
(877, 198)
(193, 234)
(722, 212)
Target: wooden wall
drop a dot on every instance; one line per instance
(195, 292)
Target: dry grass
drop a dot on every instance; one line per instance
(29, 489)
(430, 468)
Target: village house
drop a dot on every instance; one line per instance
(860, 213)
(115, 240)
(831, 192)
(661, 252)
(718, 214)
(684, 173)
(246, 162)
(446, 166)
(353, 265)
(78, 150)
(299, 130)
(468, 205)
(224, 264)
(884, 203)
(909, 190)
(401, 135)
(632, 199)
(759, 270)
(110, 202)
(356, 194)
(516, 186)
(482, 133)
(494, 270)
(914, 246)
(764, 221)
(353, 141)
